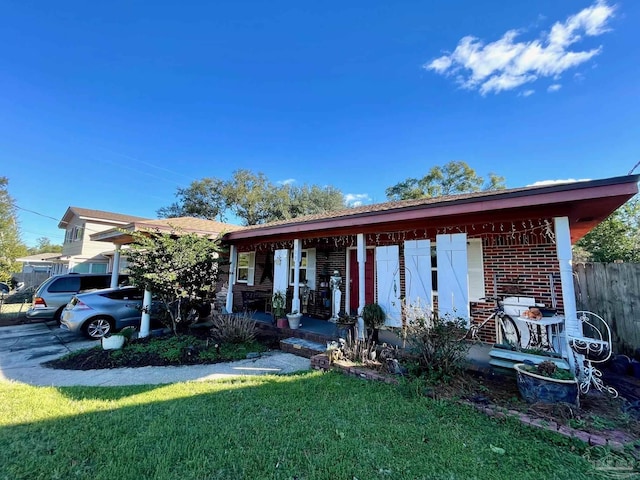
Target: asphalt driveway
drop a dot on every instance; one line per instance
(24, 347)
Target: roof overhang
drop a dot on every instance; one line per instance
(125, 235)
(586, 204)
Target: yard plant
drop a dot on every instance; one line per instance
(307, 426)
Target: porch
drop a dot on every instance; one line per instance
(314, 334)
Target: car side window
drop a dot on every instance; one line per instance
(125, 295)
(95, 283)
(65, 284)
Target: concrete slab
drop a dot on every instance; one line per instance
(23, 348)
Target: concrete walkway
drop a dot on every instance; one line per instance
(24, 347)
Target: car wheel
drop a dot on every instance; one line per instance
(58, 315)
(97, 327)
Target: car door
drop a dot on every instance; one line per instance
(126, 306)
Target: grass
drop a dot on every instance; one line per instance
(306, 426)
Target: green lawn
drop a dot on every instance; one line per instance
(309, 426)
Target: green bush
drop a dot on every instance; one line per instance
(373, 315)
(230, 328)
(434, 343)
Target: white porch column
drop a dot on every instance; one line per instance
(145, 321)
(297, 258)
(563, 248)
(233, 261)
(362, 259)
(116, 267)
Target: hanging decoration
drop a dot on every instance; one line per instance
(530, 231)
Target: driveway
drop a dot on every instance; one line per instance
(24, 347)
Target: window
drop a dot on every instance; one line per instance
(88, 267)
(476, 269)
(74, 234)
(434, 270)
(65, 284)
(246, 267)
(307, 267)
(303, 267)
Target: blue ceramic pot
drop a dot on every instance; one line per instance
(536, 388)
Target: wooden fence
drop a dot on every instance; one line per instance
(612, 290)
(31, 279)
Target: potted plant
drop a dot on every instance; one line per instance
(279, 301)
(547, 383)
(374, 317)
(294, 319)
(115, 341)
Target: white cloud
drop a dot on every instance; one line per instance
(554, 182)
(554, 88)
(506, 64)
(356, 199)
(287, 181)
(527, 93)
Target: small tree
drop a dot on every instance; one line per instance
(174, 267)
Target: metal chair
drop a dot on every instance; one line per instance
(592, 347)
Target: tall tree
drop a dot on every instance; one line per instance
(44, 245)
(10, 245)
(252, 198)
(449, 179)
(617, 238)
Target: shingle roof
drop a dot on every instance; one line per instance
(39, 257)
(97, 214)
(388, 206)
(189, 224)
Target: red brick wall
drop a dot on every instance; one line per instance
(530, 264)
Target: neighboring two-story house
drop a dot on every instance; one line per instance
(80, 254)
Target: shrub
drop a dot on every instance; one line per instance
(434, 343)
(373, 315)
(230, 328)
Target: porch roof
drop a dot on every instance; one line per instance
(123, 235)
(585, 203)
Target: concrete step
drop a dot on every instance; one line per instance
(302, 347)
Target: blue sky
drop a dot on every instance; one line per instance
(113, 105)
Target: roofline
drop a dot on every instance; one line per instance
(113, 234)
(498, 200)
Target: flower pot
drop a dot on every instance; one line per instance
(113, 342)
(537, 388)
(282, 323)
(294, 320)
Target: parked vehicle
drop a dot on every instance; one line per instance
(54, 293)
(96, 314)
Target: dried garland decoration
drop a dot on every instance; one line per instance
(525, 232)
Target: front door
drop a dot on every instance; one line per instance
(354, 284)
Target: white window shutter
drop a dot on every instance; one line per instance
(453, 283)
(311, 268)
(417, 273)
(388, 280)
(476, 269)
(281, 270)
(252, 269)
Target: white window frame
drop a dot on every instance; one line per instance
(250, 267)
(475, 262)
(308, 256)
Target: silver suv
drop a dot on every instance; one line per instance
(55, 292)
